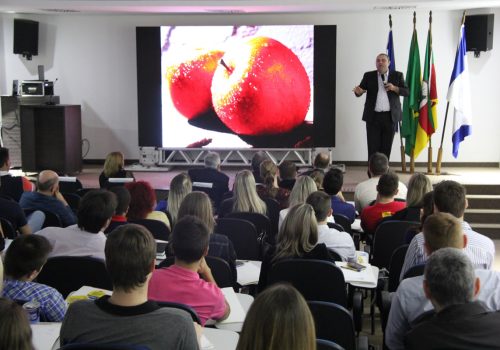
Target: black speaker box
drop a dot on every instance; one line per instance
(479, 32)
(25, 37)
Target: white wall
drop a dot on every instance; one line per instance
(94, 58)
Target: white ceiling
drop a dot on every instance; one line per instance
(232, 6)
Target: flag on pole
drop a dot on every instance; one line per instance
(411, 103)
(390, 52)
(427, 119)
(459, 95)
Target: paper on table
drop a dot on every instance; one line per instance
(237, 313)
(205, 344)
(356, 225)
(365, 275)
(45, 335)
(248, 272)
(84, 292)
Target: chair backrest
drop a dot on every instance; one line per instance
(273, 213)
(84, 346)
(157, 228)
(69, 273)
(114, 224)
(180, 306)
(343, 221)
(336, 226)
(8, 229)
(414, 271)
(220, 270)
(69, 184)
(73, 200)
(388, 236)
(395, 266)
(334, 323)
(322, 344)
(225, 207)
(12, 186)
(243, 235)
(212, 189)
(83, 191)
(315, 279)
(260, 221)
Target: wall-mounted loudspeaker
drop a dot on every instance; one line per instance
(479, 32)
(25, 37)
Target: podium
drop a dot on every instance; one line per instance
(51, 138)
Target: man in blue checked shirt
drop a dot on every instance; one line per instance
(23, 262)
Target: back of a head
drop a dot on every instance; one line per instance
(245, 195)
(190, 239)
(333, 181)
(27, 253)
(258, 158)
(288, 170)
(95, 209)
(298, 233)
(180, 186)
(418, 186)
(122, 199)
(198, 204)
(4, 156)
(143, 199)
(427, 206)
(113, 163)
(212, 160)
(388, 185)
(130, 254)
(321, 204)
(268, 172)
(450, 277)
(443, 230)
(449, 197)
(15, 330)
(279, 318)
(378, 164)
(46, 180)
(302, 188)
(322, 160)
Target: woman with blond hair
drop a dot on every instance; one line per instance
(279, 318)
(198, 204)
(180, 187)
(302, 188)
(245, 197)
(297, 238)
(113, 167)
(269, 173)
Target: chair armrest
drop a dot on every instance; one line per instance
(357, 310)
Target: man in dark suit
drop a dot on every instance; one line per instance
(382, 109)
(210, 179)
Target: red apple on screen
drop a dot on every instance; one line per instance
(260, 87)
(189, 82)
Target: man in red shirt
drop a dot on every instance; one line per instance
(385, 205)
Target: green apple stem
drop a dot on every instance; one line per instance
(230, 70)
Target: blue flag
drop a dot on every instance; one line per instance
(390, 52)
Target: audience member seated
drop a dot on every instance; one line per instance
(459, 322)
(337, 241)
(418, 186)
(303, 187)
(288, 174)
(258, 158)
(269, 188)
(245, 198)
(180, 186)
(441, 230)
(450, 197)
(181, 282)
(321, 163)
(127, 317)
(279, 318)
(198, 204)
(24, 260)
(113, 168)
(15, 329)
(318, 177)
(142, 203)
(297, 238)
(332, 184)
(426, 210)
(48, 198)
(14, 186)
(211, 174)
(366, 191)
(385, 205)
(122, 204)
(87, 237)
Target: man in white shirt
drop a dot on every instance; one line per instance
(441, 230)
(366, 191)
(336, 241)
(85, 238)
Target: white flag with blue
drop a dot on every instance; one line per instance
(459, 95)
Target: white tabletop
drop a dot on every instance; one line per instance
(46, 335)
(366, 278)
(245, 301)
(248, 272)
(220, 339)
